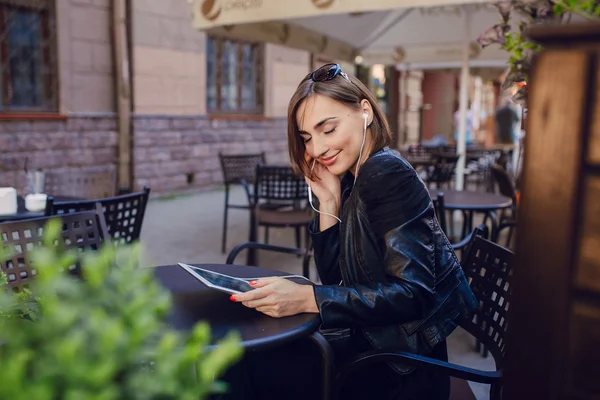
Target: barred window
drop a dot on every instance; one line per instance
(234, 76)
(28, 79)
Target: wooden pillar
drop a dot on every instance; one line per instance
(553, 346)
(122, 81)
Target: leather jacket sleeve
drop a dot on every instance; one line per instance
(402, 269)
(326, 247)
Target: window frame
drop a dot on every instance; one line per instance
(49, 55)
(259, 61)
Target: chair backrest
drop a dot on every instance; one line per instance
(124, 214)
(488, 269)
(82, 184)
(419, 151)
(83, 231)
(440, 210)
(278, 183)
(241, 166)
(445, 166)
(505, 183)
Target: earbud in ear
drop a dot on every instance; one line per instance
(365, 115)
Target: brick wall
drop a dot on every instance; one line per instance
(178, 154)
(87, 143)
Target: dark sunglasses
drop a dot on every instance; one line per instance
(326, 73)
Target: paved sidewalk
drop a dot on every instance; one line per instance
(188, 229)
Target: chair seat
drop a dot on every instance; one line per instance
(283, 218)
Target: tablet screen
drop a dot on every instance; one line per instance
(223, 281)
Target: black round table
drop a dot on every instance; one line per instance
(470, 202)
(194, 302)
(23, 213)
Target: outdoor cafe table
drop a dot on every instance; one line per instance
(470, 202)
(194, 302)
(23, 213)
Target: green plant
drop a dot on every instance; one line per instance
(521, 50)
(101, 337)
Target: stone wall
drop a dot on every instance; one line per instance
(178, 154)
(85, 56)
(87, 143)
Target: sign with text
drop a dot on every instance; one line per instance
(212, 13)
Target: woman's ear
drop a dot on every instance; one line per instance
(366, 108)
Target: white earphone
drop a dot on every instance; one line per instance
(366, 118)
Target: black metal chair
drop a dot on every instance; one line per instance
(239, 169)
(507, 188)
(306, 254)
(440, 211)
(124, 214)
(84, 231)
(487, 267)
(86, 184)
(442, 173)
(279, 186)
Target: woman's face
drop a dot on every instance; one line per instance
(332, 132)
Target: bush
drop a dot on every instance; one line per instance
(101, 337)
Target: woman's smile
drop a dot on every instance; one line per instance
(328, 161)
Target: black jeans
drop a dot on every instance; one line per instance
(295, 372)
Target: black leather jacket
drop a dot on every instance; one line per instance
(388, 270)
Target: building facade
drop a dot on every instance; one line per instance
(191, 95)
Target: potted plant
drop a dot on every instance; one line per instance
(103, 336)
(510, 33)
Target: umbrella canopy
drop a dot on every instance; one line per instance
(212, 13)
(417, 35)
(422, 33)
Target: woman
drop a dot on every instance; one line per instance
(390, 277)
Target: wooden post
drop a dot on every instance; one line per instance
(123, 94)
(553, 345)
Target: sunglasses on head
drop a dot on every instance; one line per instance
(326, 72)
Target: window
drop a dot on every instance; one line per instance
(27, 56)
(234, 76)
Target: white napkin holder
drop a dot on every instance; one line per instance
(8, 200)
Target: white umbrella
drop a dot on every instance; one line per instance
(211, 13)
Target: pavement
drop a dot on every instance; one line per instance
(188, 229)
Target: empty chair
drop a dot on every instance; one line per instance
(507, 188)
(305, 253)
(81, 183)
(124, 214)
(239, 169)
(442, 173)
(83, 231)
(280, 186)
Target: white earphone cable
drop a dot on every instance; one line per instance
(310, 197)
(366, 116)
(362, 146)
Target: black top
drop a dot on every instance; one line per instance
(468, 200)
(194, 302)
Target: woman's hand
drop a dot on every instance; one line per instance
(326, 186)
(278, 297)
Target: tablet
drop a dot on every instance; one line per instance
(217, 281)
(226, 283)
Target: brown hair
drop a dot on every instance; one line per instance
(350, 92)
